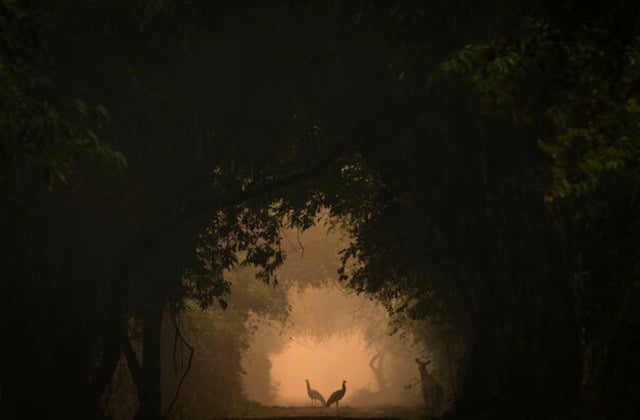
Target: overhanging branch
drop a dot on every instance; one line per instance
(200, 212)
(246, 195)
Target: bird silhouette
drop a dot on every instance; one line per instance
(337, 396)
(313, 394)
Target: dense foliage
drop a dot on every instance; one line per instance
(483, 159)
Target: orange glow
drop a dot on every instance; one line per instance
(325, 365)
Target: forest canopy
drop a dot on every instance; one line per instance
(482, 158)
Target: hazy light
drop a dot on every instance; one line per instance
(325, 364)
(331, 335)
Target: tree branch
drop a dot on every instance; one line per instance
(186, 372)
(200, 213)
(246, 195)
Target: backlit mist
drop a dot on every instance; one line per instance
(325, 365)
(331, 334)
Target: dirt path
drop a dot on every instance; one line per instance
(346, 412)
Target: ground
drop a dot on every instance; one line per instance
(343, 412)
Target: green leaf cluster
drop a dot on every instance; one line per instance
(36, 132)
(586, 83)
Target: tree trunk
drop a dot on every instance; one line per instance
(481, 391)
(149, 391)
(377, 370)
(113, 335)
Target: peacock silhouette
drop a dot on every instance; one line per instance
(337, 395)
(313, 394)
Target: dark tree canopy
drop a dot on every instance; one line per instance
(482, 157)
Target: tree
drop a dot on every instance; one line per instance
(455, 212)
(582, 61)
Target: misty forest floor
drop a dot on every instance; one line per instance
(345, 412)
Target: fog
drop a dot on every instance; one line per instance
(253, 356)
(325, 365)
(331, 334)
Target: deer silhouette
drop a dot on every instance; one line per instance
(432, 391)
